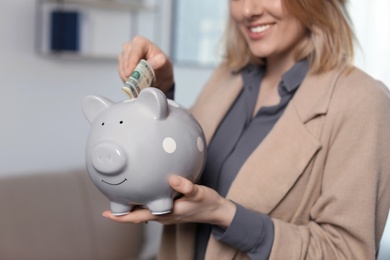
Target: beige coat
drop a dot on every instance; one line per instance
(322, 173)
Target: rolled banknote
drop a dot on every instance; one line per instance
(142, 77)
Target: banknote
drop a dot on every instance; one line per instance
(142, 77)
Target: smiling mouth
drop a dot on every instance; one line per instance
(114, 184)
(260, 28)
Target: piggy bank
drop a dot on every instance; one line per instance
(135, 145)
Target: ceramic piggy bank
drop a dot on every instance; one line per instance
(135, 145)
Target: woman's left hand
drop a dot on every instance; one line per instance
(199, 204)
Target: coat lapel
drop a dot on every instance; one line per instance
(276, 164)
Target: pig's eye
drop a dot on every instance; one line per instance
(102, 123)
(121, 122)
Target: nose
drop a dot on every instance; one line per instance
(252, 8)
(108, 158)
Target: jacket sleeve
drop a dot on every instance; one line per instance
(347, 220)
(241, 236)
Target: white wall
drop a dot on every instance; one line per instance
(42, 126)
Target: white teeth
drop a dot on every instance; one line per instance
(260, 29)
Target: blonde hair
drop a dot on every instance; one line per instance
(329, 41)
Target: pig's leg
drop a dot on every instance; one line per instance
(119, 209)
(160, 206)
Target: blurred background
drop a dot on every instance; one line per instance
(45, 76)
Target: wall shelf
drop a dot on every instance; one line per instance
(98, 28)
(106, 4)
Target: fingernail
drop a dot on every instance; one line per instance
(176, 181)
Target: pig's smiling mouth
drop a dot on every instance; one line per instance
(114, 184)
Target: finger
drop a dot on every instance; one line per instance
(137, 216)
(132, 53)
(139, 49)
(184, 186)
(120, 69)
(124, 58)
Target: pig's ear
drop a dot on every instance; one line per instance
(94, 105)
(155, 101)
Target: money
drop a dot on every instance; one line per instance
(142, 77)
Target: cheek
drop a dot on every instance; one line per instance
(235, 10)
(296, 31)
(237, 18)
(278, 5)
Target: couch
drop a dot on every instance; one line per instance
(57, 216)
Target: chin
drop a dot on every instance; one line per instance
(260, 54)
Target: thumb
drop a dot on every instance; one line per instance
(156, 61)
(183, 186)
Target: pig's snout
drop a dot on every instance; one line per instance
(108, 158)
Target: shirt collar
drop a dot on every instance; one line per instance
(290, 80)
(294, 77)
(252, 75)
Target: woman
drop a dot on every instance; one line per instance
(298, 141)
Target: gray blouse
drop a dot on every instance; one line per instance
(235, 139)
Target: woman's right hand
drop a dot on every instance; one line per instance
(141, 48)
